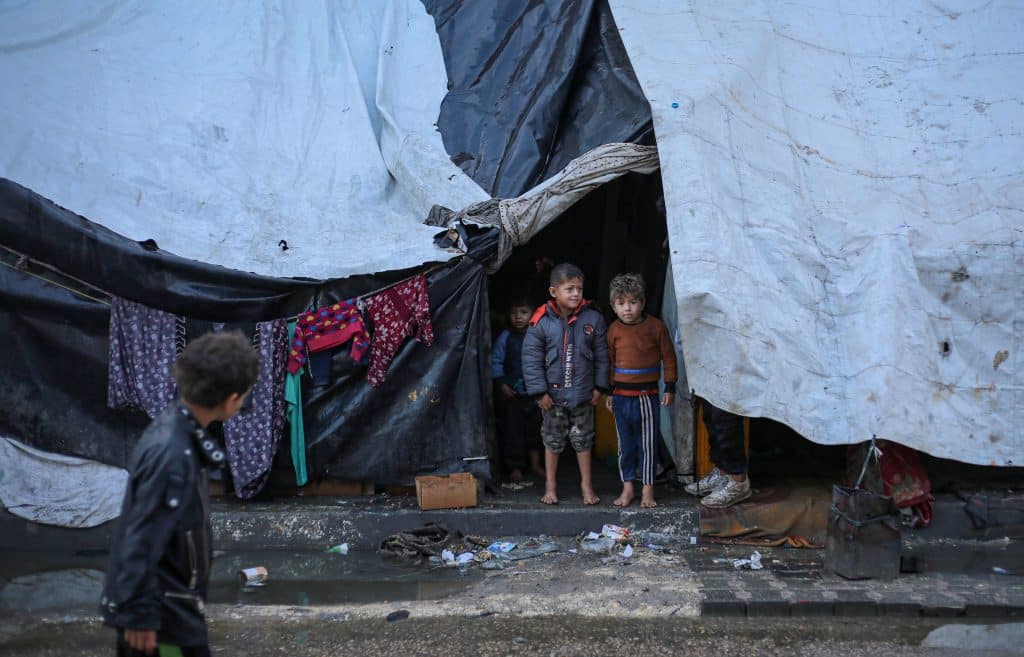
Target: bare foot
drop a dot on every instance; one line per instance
(647, 498)
(516, 475)
(539, 470)
(623, 500)
(626, 498)
(550, 497)
(589, 498)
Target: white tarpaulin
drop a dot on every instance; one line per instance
(54, 489)
(844, 194)
(220, 129)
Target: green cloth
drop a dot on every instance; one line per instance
(293, 396)
(165, 650)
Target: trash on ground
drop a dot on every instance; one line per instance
(339, 549)
(447, 556)
(627, 552)
(416, 545)
(464, 558)
(753, 563)
(255, 576)
(597, 545)
(693, 540)
(517, 485)
(573, 551)
(615, 532)
(592, 536)
(1000, 571)
(528, 553)
(501, 546)
(401, 614)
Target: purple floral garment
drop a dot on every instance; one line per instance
(251, 437)
(142, 350)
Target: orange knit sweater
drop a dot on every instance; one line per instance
(637, 353)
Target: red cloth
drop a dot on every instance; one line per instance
(396, 314)
(328, 327)
(904, 479)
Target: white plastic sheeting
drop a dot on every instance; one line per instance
(54, 489)
(220, 129)
(844, 193)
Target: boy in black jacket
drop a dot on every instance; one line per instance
(156, 584)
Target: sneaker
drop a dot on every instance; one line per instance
(710, 483)
(731, 493)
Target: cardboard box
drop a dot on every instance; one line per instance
(457, 491)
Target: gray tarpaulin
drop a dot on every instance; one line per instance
(54, 489)
(846, 212)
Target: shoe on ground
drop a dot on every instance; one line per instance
(711, 482)
(732, 493)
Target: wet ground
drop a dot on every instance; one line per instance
(497, 636)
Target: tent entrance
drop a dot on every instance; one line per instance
(616, 228)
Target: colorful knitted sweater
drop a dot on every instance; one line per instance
(328, 327)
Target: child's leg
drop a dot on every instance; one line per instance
(554, 430)
(626, 423)
(534, 444)
(514, 447)
(586, 484)
(649, 411)
(581, 435)
(550, 480)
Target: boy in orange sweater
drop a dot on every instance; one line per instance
(639, 347)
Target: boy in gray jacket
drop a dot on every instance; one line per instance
(565, 368)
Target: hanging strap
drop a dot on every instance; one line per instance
(873, 451)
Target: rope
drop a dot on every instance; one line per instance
(72, 290)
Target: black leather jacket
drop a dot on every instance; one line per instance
(162, 550)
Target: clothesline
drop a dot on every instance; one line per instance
(373, 293)
(22, 258)
(25, 259)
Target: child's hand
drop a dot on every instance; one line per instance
(507, 391)
(595, 397)
(545, 402)
(667, 399)
(608, 402)
(141, 640)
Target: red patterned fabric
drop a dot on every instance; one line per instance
(396, 314)
(325, 328)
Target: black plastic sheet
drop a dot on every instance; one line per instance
(533, 85)
(430, 413)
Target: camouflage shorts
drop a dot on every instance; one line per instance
(576, 424)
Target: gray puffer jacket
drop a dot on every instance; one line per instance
(566, 358)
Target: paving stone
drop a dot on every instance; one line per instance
(906, 608)
(765, 607)
(809, 608)
(720, 608)
(844, 607)
(981, 610)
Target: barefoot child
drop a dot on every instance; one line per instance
(639, 347)
(522, 418)
(565, 366)
(160, 559)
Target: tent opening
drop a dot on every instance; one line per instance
(615, 229)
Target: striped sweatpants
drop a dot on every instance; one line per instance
(636, 422)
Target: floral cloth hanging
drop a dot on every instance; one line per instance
(397, 313)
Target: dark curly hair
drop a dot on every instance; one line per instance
(216, 366)
(626, 285)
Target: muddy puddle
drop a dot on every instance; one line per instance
(73, 582)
